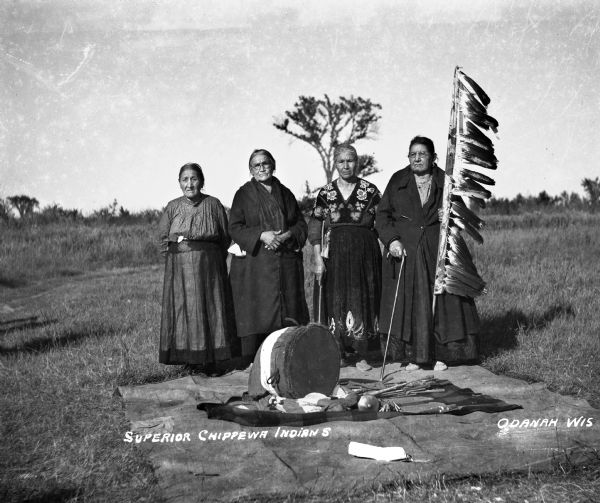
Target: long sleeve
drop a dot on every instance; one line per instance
(164, 229)
(318, 222)
(246, 236)
(299, 227)
(224, 238)
(385, 220)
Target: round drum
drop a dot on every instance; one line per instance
(295, 361)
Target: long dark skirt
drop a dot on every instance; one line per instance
(197, 316)
(351, 290)
(268, 294)
(454, 337)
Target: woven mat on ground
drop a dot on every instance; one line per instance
(201, 459)
(439, 396)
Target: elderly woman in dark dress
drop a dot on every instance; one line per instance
(408, 224)
(347, 256)
(197, 313)
(267, 275)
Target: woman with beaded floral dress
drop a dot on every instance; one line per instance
(347, 257)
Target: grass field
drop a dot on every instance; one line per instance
(97, 293)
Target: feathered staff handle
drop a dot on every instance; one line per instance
(468, 145)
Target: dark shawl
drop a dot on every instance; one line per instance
(268, 286)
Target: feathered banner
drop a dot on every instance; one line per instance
(469, 147)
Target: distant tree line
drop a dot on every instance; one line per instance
(24, 209)
(590, 201)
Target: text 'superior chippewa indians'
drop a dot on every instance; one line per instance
(468, 147)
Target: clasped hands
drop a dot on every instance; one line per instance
(274, 239)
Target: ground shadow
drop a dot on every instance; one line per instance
(48, 343)
(22, 324)
(11, 282)
(499, 333)
(36, 492)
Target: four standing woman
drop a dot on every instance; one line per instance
(355, 293)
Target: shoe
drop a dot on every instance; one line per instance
(412, 366)
(363, 366)
(440, 366)
(344, 363)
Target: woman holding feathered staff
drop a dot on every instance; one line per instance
(408, 225)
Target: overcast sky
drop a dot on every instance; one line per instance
(102, 99)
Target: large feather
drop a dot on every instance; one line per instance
(457, 287)
(483, 97)
(478, 156)
(476, 176)
(455, 260)
(459, 209)
(469, 229)
(471, 280)
(457, 244)
(474, 135)
(467, 187)
(476, 112)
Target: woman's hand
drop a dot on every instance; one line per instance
(319, 267)
(269, 238)
(397, 249)
(274, 239)
(282, 237)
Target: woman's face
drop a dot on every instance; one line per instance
(262, 168)
(420, 159)
(346, 164)
(190, 184)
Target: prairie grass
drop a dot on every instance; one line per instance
(62, 427)
(540, 317)
(35, 252)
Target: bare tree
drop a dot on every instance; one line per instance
(23, 204)
(323, 124)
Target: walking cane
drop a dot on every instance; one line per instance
(320, 280)
(387, 342)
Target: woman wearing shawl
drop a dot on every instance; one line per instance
(197, 313)
(408, 225)
(267, 275)
(347, 257)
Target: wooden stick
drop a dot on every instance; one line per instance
(387, 342)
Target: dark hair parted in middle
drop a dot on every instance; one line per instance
(344, 147)
(193, 167)
(423, 140)
(261, 151)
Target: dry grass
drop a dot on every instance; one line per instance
(62, 427)
(34, 252)
(573, 486)
(540, 317)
